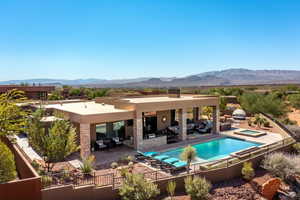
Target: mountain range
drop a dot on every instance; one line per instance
(212, 78)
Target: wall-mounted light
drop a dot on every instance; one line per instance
(163, 119)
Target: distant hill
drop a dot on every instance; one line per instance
(224, 77)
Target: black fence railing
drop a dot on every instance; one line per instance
(115, 179)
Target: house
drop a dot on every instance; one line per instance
(31, 92)
(141, 122)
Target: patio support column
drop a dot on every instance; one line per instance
(109, 129)
(93, 132)
(85, 140)
(138, 131)
(182, 115)
(216, 120)
(196, 113)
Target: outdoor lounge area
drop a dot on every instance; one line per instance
(138, 123)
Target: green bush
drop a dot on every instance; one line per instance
(197, 188)
(136, 187)
(282, 165)
(171, 187)
(248, 171)
(296, 147)
(87, 165)
(7, 164)
(46, 181)
(114, 165)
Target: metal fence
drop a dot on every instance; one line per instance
(115, 179)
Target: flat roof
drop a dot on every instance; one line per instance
(86, 108)
(166, 99)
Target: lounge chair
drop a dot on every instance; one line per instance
(101, 144)
(171, 160)
(117, 141)
(161, 157)
(175, 167)
(143, 155)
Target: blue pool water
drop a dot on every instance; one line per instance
(249, 132)
(215, 149)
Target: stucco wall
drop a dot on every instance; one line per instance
(108, 193)
(28, 187)
(154, 142)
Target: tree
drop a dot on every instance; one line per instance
(207, 111)
(12, 117)
(294, 100)
(136, 187)
(56, 143)
(257, 103)
(7, 164)
(55, 95)
(198, 188)
(189, 154)
(36, 131)
(223, 104)
(60, 142)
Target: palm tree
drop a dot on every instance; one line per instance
(189, 154)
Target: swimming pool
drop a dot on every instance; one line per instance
(215, 149)
(249, 132)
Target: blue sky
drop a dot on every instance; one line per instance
(113, 39)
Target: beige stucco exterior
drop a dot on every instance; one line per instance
(107, 110)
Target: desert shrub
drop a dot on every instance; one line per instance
(7, 164)
(114, 165)
(296, 147)
(282, 165)
(126, 159)
(189, 154)
(266, 123)
(136, 187)
(248, 171)
(35, 165)
(46, 181)
(171, 188)
(197, 188)
(87, 165)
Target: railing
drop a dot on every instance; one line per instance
(279, 124)
(115, 180)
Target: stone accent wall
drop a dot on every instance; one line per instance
(93, 132)
(216, 120)
(196, 113)
(160, 124)
(182, 116)
(85, 140)
(138, 131)
(154, 142)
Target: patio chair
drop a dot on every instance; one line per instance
(175, 167)
(171, 160)
(117, 141)
(101, 144)
(144, 155)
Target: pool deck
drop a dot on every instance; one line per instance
(269, 138)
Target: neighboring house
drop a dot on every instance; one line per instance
(31, 92)
(140, 123)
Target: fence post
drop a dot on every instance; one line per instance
(113, 180)
(94, 179)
